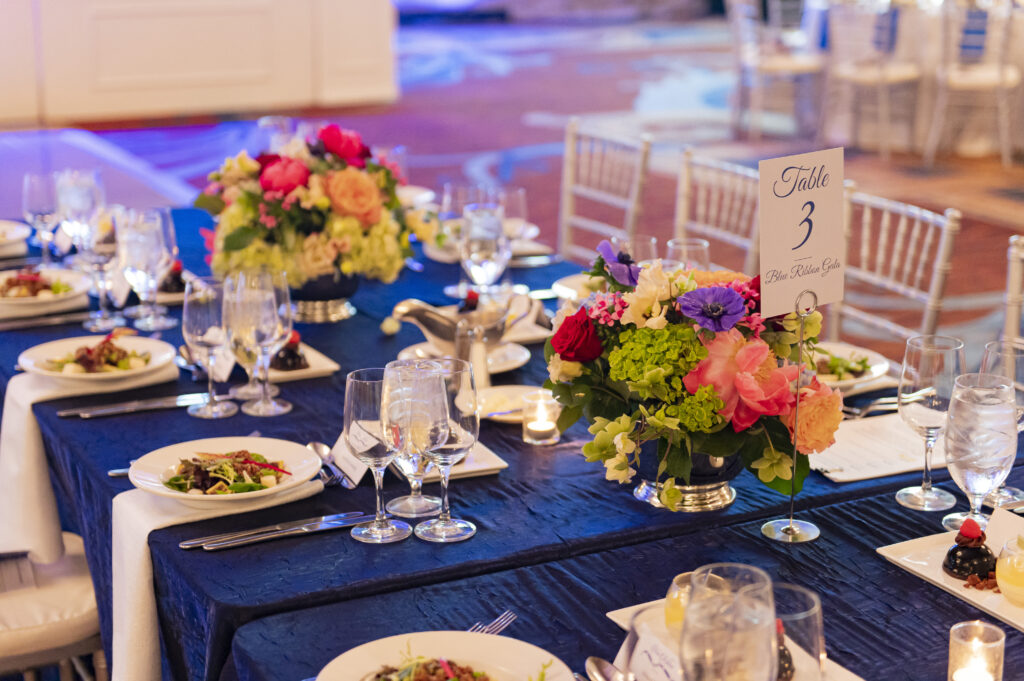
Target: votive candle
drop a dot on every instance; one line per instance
(540, 413)
(976, 652)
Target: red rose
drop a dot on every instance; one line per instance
(344, 144)
(576, 339)
(266, 159)
(284, 175)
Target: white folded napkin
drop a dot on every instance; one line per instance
(136, 513)
(13, 249)
(479, 461)
(43, 307)
(27, 505)
(526, 330)
(874, 447)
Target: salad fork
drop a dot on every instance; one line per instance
(498, 625)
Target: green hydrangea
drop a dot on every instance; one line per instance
(694, 413)
(604, 432)
(653, 362)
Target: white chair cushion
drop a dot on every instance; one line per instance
(982, 77)
(60, 611)
(869, 73)
(782, 64)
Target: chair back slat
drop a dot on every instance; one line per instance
(602, 169)
(896, 262)
(1014, 289)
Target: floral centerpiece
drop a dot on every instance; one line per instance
(322, 207)
(684, 359)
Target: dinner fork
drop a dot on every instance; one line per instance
(496, 626)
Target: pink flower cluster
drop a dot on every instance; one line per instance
(607, 308)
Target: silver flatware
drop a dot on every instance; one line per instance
(498, 624)
(35, 322)
(224, 536)
(541, 260)
(133, 406)
(599, 669)
(308, 528)
(337, 474)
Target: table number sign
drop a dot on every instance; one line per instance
(800, 217)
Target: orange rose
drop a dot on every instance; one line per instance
(353, 192)
(820, 414)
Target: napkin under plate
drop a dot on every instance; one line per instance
(874, 447)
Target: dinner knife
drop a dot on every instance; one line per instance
(199, 541)
(309, 528)
(34, 322)
(132, 406)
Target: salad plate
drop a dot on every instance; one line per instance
(71, 284)
(500, 657)
(876, 365)
(150, 471)
(505, 357)
(38, 359)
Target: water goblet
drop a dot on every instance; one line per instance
(458, 395)
(166, 219)
(930, 365)
(642, 248)
(258, 319)
(39, 208)
(513, 204)
(484, 248)
(981, 440)
(1006, 358)
(366, 426)
(144, 256)
(687, 254)
(96, 241)
(202, 326)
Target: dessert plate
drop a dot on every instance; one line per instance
(505, 357)
(35, 359)
(878, 365)
(923, 557)
(500, 657)
(320, 365)
(165, 298)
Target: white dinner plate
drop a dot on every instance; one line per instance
(411, 196)
(78, 282)
(13, 232)
(505, 357)
(150, 471)
(878, 365)
(500, 657)
(35, 359)
(500, 398)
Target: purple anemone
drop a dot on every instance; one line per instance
(620, 265)
(717, 308)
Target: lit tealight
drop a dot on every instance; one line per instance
(976, 652)
(540, 412)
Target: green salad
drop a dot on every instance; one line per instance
(232, 473)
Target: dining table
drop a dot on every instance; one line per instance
(556, 541)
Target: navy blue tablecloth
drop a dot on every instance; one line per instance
(881, 622)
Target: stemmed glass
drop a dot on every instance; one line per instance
(1006, 358)
(513, 203)
(202, 326)
(80, 197)
(642, 248)
(484, 248)
(96, 241)
(258, 319)
(39, 207)
(981, 440)
(930, 365)
(369, 437)
(144, 256)
(687, 254)
(458, 395)
(800, 631)
(166, 220)
(413, 463)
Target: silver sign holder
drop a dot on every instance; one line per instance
(789, 529)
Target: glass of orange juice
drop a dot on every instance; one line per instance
(1010, 571)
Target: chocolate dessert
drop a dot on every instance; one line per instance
(969, 556)
(290, 358)
(173, 282)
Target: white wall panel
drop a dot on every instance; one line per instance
(18, 94)
(354, 56)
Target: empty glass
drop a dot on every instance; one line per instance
(96, 241)
(801, 634)
(202, 326)
(1006, 358)
(258, 319)
(484, 249)
(458, 395)
(981, 440)
(365, 428)
(687, 254)
(144, 257)
(642, 248)
(930, 366)
(39, 208)
(513, 204)
(414, 464)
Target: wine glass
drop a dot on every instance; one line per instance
(513, 204)
(366, 424)
(166, 220)
(642, 248)
(981, 440)
(96, 241)
(930, 365)
(687, 254)
(414, 464)
(202, 326)
(80, 197)
(1006, 358)
(801, 633)
(39, 208)
(651, 649)
(458, 395)
(144, 256)
(258, 319)
(484, 248)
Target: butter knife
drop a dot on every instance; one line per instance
(309, 528)
(133, 406)
(199, 541)
(34, 322)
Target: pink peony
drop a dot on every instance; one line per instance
(342, 143)
(821, 411)
(284, 175)
(746, 376)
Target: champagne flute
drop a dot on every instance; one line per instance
(258, 319)
(930, 365)
(144, 256)
(39, 208)
(412, 461)
(981, 440)
(457, 394)
(367, 433)
(687, 254)
(1006, 358)
(202, 326)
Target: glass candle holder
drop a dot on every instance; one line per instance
(976, 652)
(540, 412)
